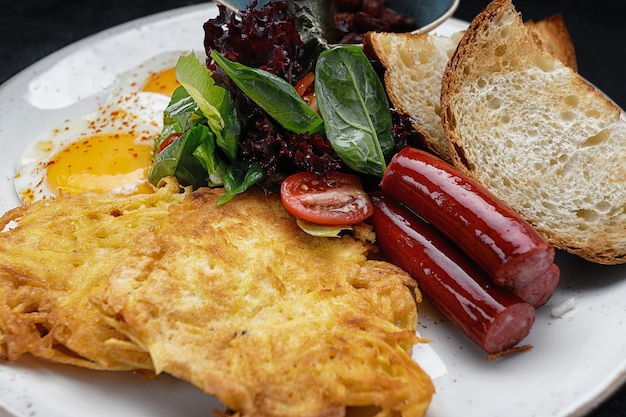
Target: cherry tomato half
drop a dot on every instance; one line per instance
(168, 141)
(336, 199)
(306, 90)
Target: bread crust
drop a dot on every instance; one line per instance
(537, 135)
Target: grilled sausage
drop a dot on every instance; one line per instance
(539, 291)
(491, 316)
(502, 243)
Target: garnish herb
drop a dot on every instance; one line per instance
(355, 109)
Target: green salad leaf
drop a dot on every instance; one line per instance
(197, 157)
(315, 20)
(321, 230)
(238, 178)
(178, 160)
(273, 94)
(355, 109)
(182, 117)
(214, 102)
(181, 114)
(205, 154)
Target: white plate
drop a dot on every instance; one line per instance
(577, 360)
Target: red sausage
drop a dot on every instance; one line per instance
(491, 316)
(539, 291)
(506, 246)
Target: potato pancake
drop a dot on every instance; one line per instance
(55, 258)
(274, 322)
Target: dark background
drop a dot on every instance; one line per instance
(32, 29)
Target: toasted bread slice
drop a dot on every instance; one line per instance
(554, 36)
(414, 65)
(537, 135)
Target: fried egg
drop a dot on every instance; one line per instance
(108, 148)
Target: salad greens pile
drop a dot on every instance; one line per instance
(202, 119)
(199, 143)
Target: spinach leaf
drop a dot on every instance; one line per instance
(179, 161)
(180, 115)
(213, 165)
(238, 178)
(273, 94)
(193, 157)
(215, 102)
(355, 109)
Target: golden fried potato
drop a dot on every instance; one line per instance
(55, 257)
(240, 302)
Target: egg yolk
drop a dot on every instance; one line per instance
(163, 82)
(104, 162)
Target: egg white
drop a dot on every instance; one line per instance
(142, 114)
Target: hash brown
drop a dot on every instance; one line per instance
(55, 257)
(240, 302)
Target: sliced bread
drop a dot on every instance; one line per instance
(414, 64)
(554, 36)
(538, 135)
